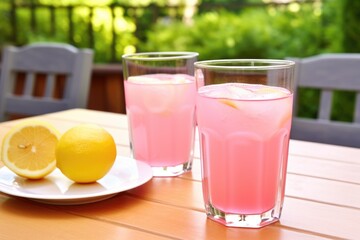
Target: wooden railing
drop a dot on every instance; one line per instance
(107, 88)
(153, 12)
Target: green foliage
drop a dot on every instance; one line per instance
(290, 30)
(308, 102)
(294, 30)
(5, 29)
(343, 106)
(102, 31)
(351, 26)
(274, 32)
(332, 21)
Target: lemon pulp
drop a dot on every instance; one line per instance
(28, 149)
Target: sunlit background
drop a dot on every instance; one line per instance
(214, 28)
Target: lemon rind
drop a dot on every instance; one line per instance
(30, 174)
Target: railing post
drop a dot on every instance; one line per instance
(13, 22)
(90, 28)
(52, 20)
(142, 16)
(113, 33)
(32, 16)
(71, 24)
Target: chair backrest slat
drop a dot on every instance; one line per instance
(324, 71)
(50, 85)
(357, 109)
(328, 73)
(325, 105)
(29, 84)
(41, 64)
(46, 58)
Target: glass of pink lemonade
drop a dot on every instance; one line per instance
(160, 95)
(244, 112)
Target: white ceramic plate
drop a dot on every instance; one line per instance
(126, 174)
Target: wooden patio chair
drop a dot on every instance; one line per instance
(43, 78)
(328, 73)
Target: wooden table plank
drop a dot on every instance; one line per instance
(25, 219)
(163, 191)
(91, 116)
(181, 223)
(324, 151)
(324, 168)
(307, 188)
(310, 188)
(322, 199)
(331, 221)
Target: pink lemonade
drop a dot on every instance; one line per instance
(161, 113)
(244, 132)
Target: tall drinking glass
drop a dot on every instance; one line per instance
(244, 112)
(160, 94)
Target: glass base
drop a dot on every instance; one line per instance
(171, 171)
(243, 220)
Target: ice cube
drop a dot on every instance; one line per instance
(229, 91)
(237, 92)
(181, 78)
(161, 79)
(144, 80)
(267, 92)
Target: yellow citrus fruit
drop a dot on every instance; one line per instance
(28, 149)
(85, 153)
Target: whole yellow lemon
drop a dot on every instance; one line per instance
(85, 153)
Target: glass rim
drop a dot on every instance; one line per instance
(160, 56)
(224, 64)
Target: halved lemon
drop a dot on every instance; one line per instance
(28, 149)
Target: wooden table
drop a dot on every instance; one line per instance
(322, 199)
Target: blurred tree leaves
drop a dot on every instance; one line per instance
(351, 26)
(291, 30)
(264, 32)
(272, 32)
